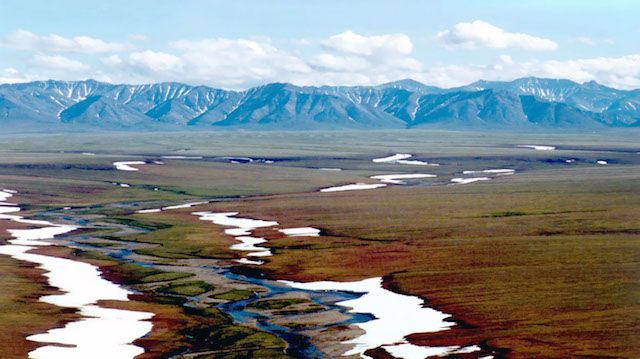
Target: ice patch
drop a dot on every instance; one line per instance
(417, 163)
(185, 205)
(353, 187)
(494, 172)
(397, 178)
(4, 195)
(249, 261)
(249, 244)
(167, 208)
(301, 232)
(469, 180)
(241, 228)
(409, 351)
(101, 332)
(394, 158)
(182, 157)
(238, 160)
(401, 158)
(396, 316)
(538, 147)
(151, 210)
(126, 165)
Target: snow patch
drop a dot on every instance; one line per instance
(469, 180)
(538, 147)
(241, 229)
(396, 316)
(497, 172)
(393, 158)
(182, 157)
(397, 178)
(300, 232)
(353, 187)
(126, 165)
(100, 331)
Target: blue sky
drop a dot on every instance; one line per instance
(241, 43)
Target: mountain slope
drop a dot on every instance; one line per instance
(527, 103)
(289, 107)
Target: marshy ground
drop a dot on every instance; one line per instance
(541, 263)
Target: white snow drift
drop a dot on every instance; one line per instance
(402, 158)
(396, 316)
(301, 232)
(353, 187)
(538, 147)
(127, 165)
(397, 178)
(101, 332)
(241, 229)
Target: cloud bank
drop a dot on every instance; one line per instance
(478, 34)
(347, 58)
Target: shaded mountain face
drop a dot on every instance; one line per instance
(527, 103)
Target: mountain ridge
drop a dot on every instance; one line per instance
(525, 103)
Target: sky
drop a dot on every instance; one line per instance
(243, 43)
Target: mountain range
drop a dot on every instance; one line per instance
(523, 104)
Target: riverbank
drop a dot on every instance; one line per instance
(98, 329)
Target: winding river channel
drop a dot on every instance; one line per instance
(100, 332)
(363, 305)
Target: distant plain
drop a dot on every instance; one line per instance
(542, 263)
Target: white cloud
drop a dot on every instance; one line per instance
(356, 59)
(344, 59)
(11, 75)
(59, 63)
(238, 62)
(155, 61)
(618, 72)
(353, 43)
(26, 40)
(112, 60)
(478, 34)
(332, 62)
(302, 42)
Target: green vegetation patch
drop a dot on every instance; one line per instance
(92, 255)
(313, 308)
(235, 294)
(189, 288)
(137, 274)
(215, 336)
(166, 276)
(136, 223)
(180, 239)
(247, 343)
(274, 304)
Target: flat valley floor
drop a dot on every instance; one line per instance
(527, 244)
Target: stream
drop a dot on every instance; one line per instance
(363, 304)
(298, 345)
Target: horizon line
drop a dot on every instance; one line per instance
(314, 86)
